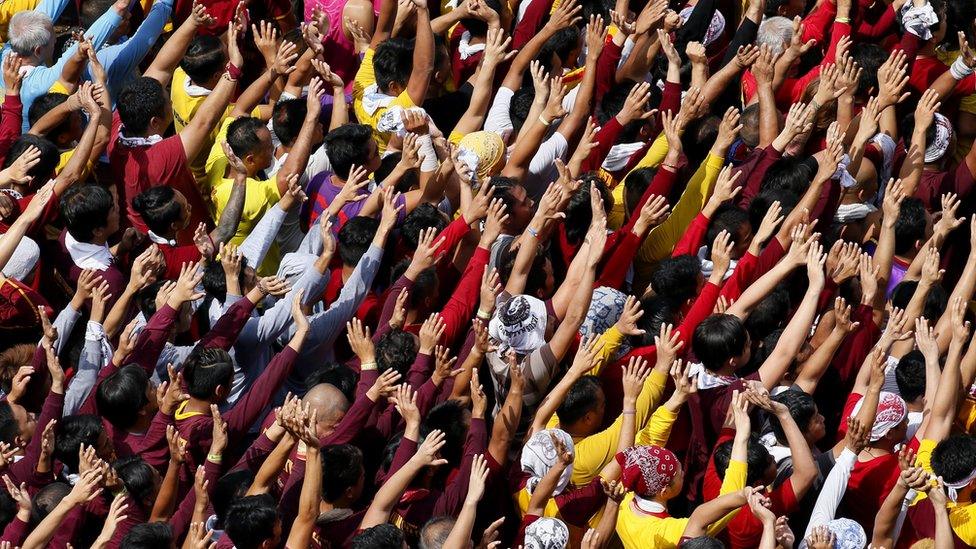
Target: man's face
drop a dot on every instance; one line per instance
(112, 226)
(373, 157)
(521, 213)
(263, 157)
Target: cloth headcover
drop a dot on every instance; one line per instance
(891, 411)
(539, 455)
(647, 470)
(519, 324)
(546, 533)
(940, 143)
(487, 149)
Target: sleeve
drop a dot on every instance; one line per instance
(23, 469)
(11, 123)
(530, 23)
(606, 68)
(658, 429)
(654, 155)
(611, 340)
(745, 34)
(449, 503)
(832, 491)
(693, 237)
(577, 506)
(547, 153)
(614, 270)
(605, 138)
(225, 331)
(419, 370)
(662, 238)
(151, 341)
(91, 360)
(499, 119)
(405, 451)
(255, 454)
(264, 329)
(352, 423)
(252, 403)
(100, 31)
(151, 446)
(754, 180)
(458, 310)
(184, 513)
(389, 306)
(452, 235)
(15, 532)
(878, 29)
(816, 23)
(119, 61)
(262, 236)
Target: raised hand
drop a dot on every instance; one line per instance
(635, 373)
(632, 312)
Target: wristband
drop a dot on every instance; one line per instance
(629, 412)
(532, 232)
(483, 315)
(543, 121)
(367, 366)
(212, 458)
(960, 69)
(842, 20)
(233, 71)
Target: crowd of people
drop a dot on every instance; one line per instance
(541, 274)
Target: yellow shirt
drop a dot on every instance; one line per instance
(7, 10)
(962, 517)
(261, 196)
(364, 79)
(63, 161)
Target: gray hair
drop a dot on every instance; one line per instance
(775, 32)
(28, 31)
(434, 534)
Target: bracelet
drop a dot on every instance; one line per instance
(842, 20)
(960, 69)
(815, 104)
(543, 121)
(233, 71)
(629, 412)
(483, 315)
(214, 458)
(532, 232)
(367, 366)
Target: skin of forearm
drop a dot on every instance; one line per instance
(543, 491)
(298, 156)
(166, 498)
(340, 111)
(55, 116)
(815, 366)
(884, 522)
(74, 168)
(710, 511)
(503, 430)
(272, 465)
(253, 95)
(768, 115)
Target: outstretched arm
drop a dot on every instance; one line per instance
(170, 55)
(197, 132)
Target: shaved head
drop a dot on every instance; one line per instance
(330, 404)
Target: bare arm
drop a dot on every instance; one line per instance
(170, 55)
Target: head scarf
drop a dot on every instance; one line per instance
(546, 533)
(891, 412)
(519, 324)
(715, 27)
(848, 534)
(940, 143)
(481, 151)
(647, 470)
(539, 456)
(605, 310)
(952, 488)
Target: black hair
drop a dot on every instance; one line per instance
(205, 370)
(422, 217)
(46, 164)
(503, 186)
(146, 298)
(149, 535)
(535, 282)
(579, 209)
(9, 428)
(242, 135)
(658, 311)
(635, 184)
(726, 218)
(719, 338)
(396, 350)
(702, 542)
(158, 208)
(73, 431)
(393, 62)
(954, 459)
(91, 10)
(139, 479)
(772, 7)
(287, 119)
(8, 508)
(519, 107)
(382, 536)
(355, 238)
(676, 278)
(869, 57)
(424, 286)
(139, 101)
(802, 409)
(42, 105)
(758, 459)
(750, 125)
(448, 417)
(46, 499)
(910, 375)
(478, 27)
(204, 58)
(228, 489)
(388, 163)
(936, 300)
(338, 375)
(760, 204)
(122, 395)
(346, 146)
(251, 521)
(910, 225)
(561, 44)
(215, 281)
(581, 399)
(86, 209)
(790, 173)
(342, 465)
(613, 102)
(770, 314)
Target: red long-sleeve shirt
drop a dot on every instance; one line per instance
(11, 123)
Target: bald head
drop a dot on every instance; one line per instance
(328, 401)
(434, 534)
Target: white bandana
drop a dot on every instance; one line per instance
(546, 533)
(891, 411)
(139, 141)
(917, 20)
(841, 174)
(88, 256)
(539, 456)
(952, 488)
(619, 155)
(847, 213)
(715, 27)
(707, 265)
(940, 143)
(161, 240)
(466, 49)
(519, 324)
(708, 380)
(193, 90)
(374, 99)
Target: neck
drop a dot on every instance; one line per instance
(282, 150)
(927, 50)
(98, 241)
(198, 405)
(141, 425)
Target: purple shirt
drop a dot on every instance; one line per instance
(321, 192)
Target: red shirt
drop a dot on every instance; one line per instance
(136, 169)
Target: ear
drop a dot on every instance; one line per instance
(221, 392)
(20, 442)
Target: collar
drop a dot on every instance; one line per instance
(650, 507)
(465, 49)
(374, 99)
(161, 240)
(181, 412)
(193, 90)
(139, 141)
(88, 256)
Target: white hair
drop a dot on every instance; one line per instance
(28, 31)
(775, 32)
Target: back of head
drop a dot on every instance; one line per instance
(207, 369)
(9, 428)
(338, 375)
(342, 468)
(776, 33)
(139, 479)
(447, 416)
(287, 119)
(434, 534)
(521, 104)
(758, 459)
(48, 162)
(73, 431)
(792, 174)
(348, 146)
(396, 350)
(869, 57)
(910, 226)
(86, 208)
(204, 59)
(13, 359)
(392, 63)
(802, 409)
(702, 542)
(770, 314)
(139, 101)
(228, 489)
(355, 238)
(251, 521)
(422, 217)
(728, 218)
(150, 535)
(41, 106)
(383, 536)
(91, 10)
(122, 395)
(658, 311)
(580, 209)
(580, 400)
(158, 208)
(954, 459)
(635, 184)
(29, 30)
(47, 498)
(750, 125)
(717, 339)
(936, 300)
(242, 135)
(760, 204)
(562, 44)
(214, 280)
(910, 376)
(676, 278)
